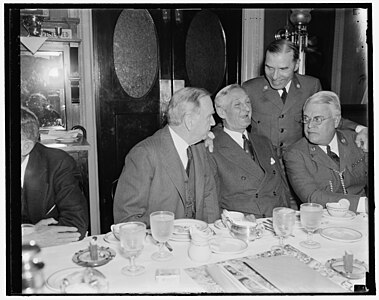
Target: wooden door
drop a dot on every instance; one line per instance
(141, 57)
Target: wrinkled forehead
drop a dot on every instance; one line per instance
(206, 104)
(317, 109)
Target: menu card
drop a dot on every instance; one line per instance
(270, 272)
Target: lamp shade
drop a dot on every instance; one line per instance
(300, 16)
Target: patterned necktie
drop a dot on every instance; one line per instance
(332, 155)
(284, 95)
(248, 147)
(190, 157)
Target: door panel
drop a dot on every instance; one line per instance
(140, 57)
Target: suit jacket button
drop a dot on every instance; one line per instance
(243, 177)
(256, 195)
(281, 130)
(273, 172)
(263, 216)
(274, 193)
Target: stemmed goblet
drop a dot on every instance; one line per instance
(283, 221)
(132, 236)
(162, 226)
(310, 217)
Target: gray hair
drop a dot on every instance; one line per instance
(325, 97)
(183, 101)
(223, 93)
(29, 125)
(283, 46)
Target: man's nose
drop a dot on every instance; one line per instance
(275, 74)
(213, 121)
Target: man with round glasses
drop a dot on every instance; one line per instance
(326, 165)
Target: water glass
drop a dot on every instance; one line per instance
(132, 237)
(310, 218)
(283, 221)
(162, 226)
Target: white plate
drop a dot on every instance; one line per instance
(227, 245)
(341, 234)
(110, 238)
(349, 216)
(220, 225)
(182, 226)
(55, 279)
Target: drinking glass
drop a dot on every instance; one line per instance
(283, 221)
(132, 236)
(162, 226)
(310, 217)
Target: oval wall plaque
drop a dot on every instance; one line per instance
(206, 52)
(135, 51)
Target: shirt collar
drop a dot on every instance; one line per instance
(287, 88)
(180, 146)
(333, 145)
(236, 136)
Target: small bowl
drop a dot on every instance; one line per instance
(336, 210)
(116, 230)
(234, 215)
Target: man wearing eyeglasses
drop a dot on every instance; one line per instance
(327, 165)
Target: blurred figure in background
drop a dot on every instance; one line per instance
(50, 193)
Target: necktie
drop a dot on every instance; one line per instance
(248, 147)
(284, 95)
(190, 157)
(332, 155)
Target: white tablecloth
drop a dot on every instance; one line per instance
(60, 257)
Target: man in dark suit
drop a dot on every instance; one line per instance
(158, 174)
(326, 165)
(278, 97)
(50, 192)
(248, 173)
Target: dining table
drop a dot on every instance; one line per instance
(177, 279)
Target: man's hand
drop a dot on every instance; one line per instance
(209, 141)
(45, 235)
(362, 139)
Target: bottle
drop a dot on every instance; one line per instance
(32, 269)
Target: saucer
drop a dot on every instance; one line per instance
(349, 216)
(227, 245)
(359, 268)
(83, 257)
(220, 225)
(55, 280)
(110, 238)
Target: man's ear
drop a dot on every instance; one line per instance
(26, 147)
(297, 63)
(221, 112)
(337, 121)
(188, 121)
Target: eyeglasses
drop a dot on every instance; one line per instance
(316, 120)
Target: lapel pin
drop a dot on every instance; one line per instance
(272, 161)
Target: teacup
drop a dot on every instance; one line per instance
(116, 230)
(226, 216)
(246, 230)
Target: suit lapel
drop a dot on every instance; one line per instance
(233, 152)
(199, 179)
(273, 96)
(320, 157)
(171, 161)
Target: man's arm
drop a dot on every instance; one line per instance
(362, 136)
(71, 203)
(133, 188)
(45, 235)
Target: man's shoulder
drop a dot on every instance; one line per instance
(255, 82)
(307, 79)
(301, 145)
(50, 153)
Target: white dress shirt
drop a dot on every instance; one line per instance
(180, 146)
(287, 88)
